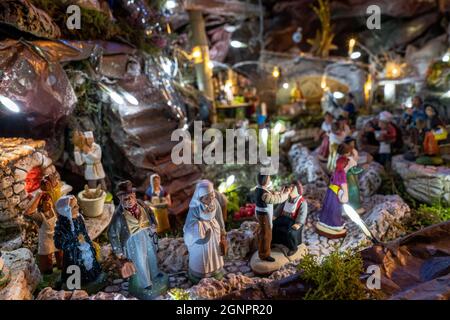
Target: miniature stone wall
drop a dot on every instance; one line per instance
(429, 184)
(17, 157)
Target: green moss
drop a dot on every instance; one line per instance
(179, 294)
(336, 278)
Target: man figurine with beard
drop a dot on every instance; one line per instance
(204, 234)
(135, 242)
(72, 238)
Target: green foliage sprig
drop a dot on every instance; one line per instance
(336, 278)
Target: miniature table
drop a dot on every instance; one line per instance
(95, 226)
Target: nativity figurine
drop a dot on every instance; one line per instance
(290, 220)
(42, 212)
(89, 154)
(159, 200)
(331, 224)
(204, 234)
(134, 241)
(71, 237)
(265, 199)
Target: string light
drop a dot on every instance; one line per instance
(276, 72)
(9, 104)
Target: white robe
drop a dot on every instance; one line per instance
(93, 161)
(204, 259)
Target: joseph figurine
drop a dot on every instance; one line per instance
(133, 238)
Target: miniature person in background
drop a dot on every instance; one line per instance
(290, 220)
(331, 224)
(135, 242)
(324, 135)
(51, 185)
(160, 202)
(386, 136)
(348, 149)
(406, 121)
(42, 212)
(265, 199)
(90, 155)
(72, 238)
(424, 148)
(204, 234)
(418, 109)
(339, 131)
(156, 190)
(349, 108)
(433, 121)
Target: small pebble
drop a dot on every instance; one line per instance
(117, 281)
(111, 289)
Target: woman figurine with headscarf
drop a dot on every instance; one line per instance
(331, 224)
(204, 234)
(72, 238)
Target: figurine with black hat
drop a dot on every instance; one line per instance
(134, 241)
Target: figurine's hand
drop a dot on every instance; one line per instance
(296, 226)
(205, 239)
(128, 269)
(81, 238)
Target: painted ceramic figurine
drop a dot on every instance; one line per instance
(265, 199)
(134, 241)
(51, 184)
(160, 202)
(330, 222)
(290, 220)
(354, 196)
(204, 234)
(72, 238)
(324, 135)
(42, 212)
(89, 153)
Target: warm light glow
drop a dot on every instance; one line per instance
(285, 85)
(323, 83)
(368, 87)
(9, 104)
(279, 127)
(276, 72)
(389, 92)
(393, 70)
(237, 44)
(197, 54)
(355, 55)
(351, 46)
(210, 64)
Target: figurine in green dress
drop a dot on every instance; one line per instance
(349, 150)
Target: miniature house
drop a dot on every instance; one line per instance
(23, 162)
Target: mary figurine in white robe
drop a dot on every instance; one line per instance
(204, 234)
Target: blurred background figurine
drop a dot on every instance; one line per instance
(204, 234)
(324, 135)
(42, 212)
(135, 242)
(290, 220)
(89, 154)
(349, 150)
(160, 202)
(331, 224)
(72, 238)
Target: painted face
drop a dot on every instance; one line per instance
(156, 182)
(429, 111)
(328, 118)
(89, 141)
(207, 199)
(75, 209)
(416, 102)
(129, 200)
